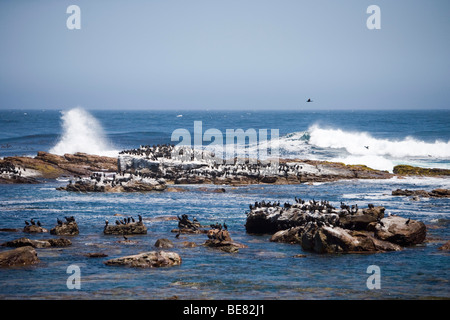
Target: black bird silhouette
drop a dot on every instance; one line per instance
(39, 223)
(225, 226)
(367, 147)
(309, 100)
(26, 222)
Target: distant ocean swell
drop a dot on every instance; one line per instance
(83, 133)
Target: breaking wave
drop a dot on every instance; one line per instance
(82, 133)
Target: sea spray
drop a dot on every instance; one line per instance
(362, 143)
(82, 133)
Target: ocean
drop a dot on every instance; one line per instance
(264, 270)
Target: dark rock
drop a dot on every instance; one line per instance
(436, 193)
(18, 257)
(152, 259)
(96, 255)
(9, 230)
(61, 242)
(126, 229)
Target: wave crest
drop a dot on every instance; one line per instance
(82, 133)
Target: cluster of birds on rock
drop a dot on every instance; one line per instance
(152, 152)
(212, 167)
(33, 223)
(125, 221)
(9, 168)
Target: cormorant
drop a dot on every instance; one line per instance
(32, 222)
(39, 223)
(407, 221)
(309, 100)
(225, 226)
(26, 223)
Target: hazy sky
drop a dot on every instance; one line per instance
(224, 54)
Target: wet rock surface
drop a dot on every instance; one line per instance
(22, 256)
(152, 259)
(436, 193)
(47, 243)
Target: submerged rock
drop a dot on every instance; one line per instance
(436, 193)
(164, 243)
(152, 259)
(18, 257)
(445, 246)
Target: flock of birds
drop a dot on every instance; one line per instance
(125, 221)
(206, 165)
(9, 168)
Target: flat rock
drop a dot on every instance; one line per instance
(18, 257)
(22, 242)
(152, 259)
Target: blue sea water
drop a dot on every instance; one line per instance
(264, 270)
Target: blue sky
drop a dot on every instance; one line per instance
(217, 54)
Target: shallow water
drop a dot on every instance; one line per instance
(264, 270)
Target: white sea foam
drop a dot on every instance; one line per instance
(362, 143)
(82, 133)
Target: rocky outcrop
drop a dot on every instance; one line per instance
(321, 228)
(12, 174)
(126, 229)
(115, 186)
(406, 170)
(51, 166)
(18, 257)
(221, 239)
(65, 229)
(402, 231)
(22, 242)
(436, 193)
(187, 226)
(183, 165)
(152, 259)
